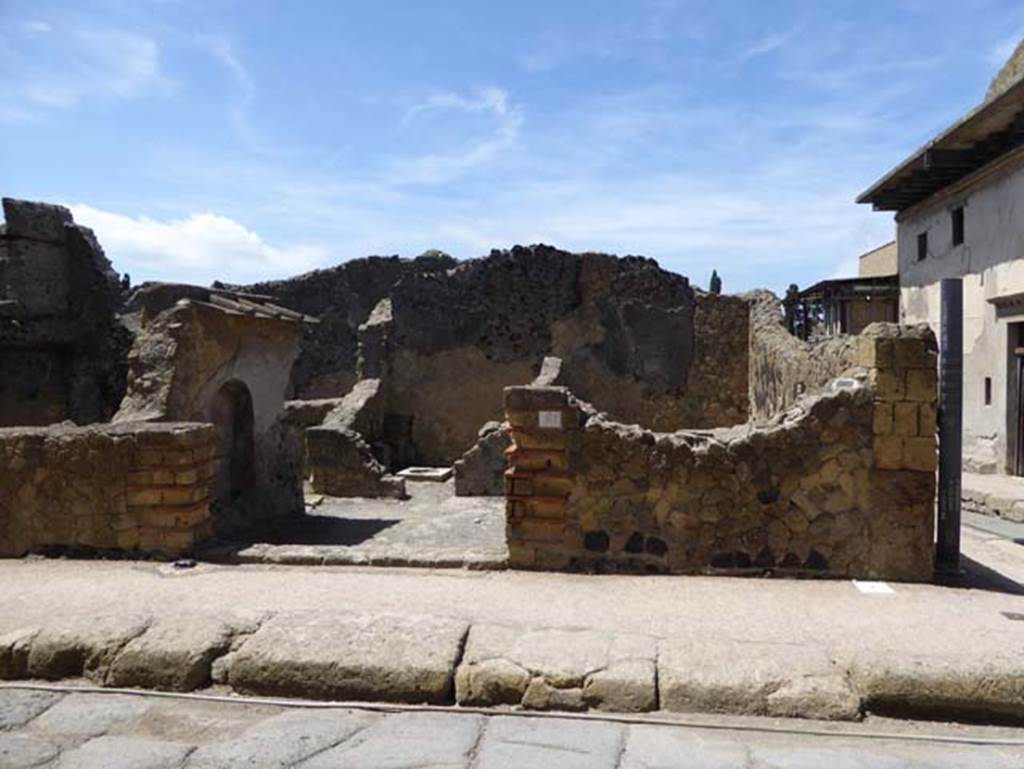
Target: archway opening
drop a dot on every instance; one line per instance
(232, 415)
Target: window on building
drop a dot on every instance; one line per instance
(958, 225)
(988, 391)
(922, 246)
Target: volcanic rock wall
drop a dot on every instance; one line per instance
(635, 339)
(843, 485)
(62, 351)
(783, 367)
(342, 297)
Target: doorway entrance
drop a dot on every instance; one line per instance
(1015, 403)
(232, 415)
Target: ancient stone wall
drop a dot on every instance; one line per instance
(62, 349)
(134, 487)
(342, 298)
(635, 339)
(783, 367)
(842, 485)
(344, 453)
(186, 358)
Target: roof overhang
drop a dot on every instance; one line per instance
(983, 135)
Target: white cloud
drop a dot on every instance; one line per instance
(38, 26)
(769, 44)
(49, 68)
(199, 248)
(445, 166)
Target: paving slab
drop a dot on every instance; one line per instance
(17, 708)
(406, 741)
(655, 747)
(84, 716)
(753, 678)
(388, 657)
(282, 740)
(1000, 496)
(511, 743)
(557, 669)
(22, 751)
(125, 753)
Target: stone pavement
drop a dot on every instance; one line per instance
(118, 731)
(818, 649)
(433, 528)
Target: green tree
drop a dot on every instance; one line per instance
(716, 283)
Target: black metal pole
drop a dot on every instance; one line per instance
(951, 407)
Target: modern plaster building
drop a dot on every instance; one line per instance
(959, 204)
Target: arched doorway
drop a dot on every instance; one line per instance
(232, 415)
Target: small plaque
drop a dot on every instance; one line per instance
(877, 588)
(552, 419)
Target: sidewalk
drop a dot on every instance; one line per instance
(1001, 496)
(546, 641)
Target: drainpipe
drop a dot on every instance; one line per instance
(951, 407)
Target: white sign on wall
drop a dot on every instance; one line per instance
(550, 419)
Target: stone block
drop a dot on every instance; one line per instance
(144, 496)
(540, 530)
(527, 398)
(922, 385)
(890, 384)
(552, 484)
(911, 353)
(920, 454)
(905, 418)
(883, 419)
(544, 507)
(184, 495)
(38, 221)
(521, 555)
(875, 352)
(537, 459)
(538, 439)
(888, 452)
(170, 541)
(927, 422)
(345, 655)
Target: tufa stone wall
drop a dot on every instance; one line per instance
(195, 360)
(339, 451)
(342, 298)
(783, 367)
(839, 486)
(62, 348)
(636, 339)
(133, 487)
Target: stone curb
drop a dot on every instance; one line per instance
(423, 659)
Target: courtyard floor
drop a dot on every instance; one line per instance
(432, 528)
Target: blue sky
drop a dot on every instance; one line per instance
(249, 140)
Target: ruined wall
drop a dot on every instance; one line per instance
(636, 339)
(135, 487)
(342, 298)
(183, 358)
(783, 367)
(62, 350)
(842, 486)
(343, 452)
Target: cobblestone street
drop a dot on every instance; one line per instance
(116, 731)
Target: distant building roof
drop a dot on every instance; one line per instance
(879, 262)
(990, 131)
